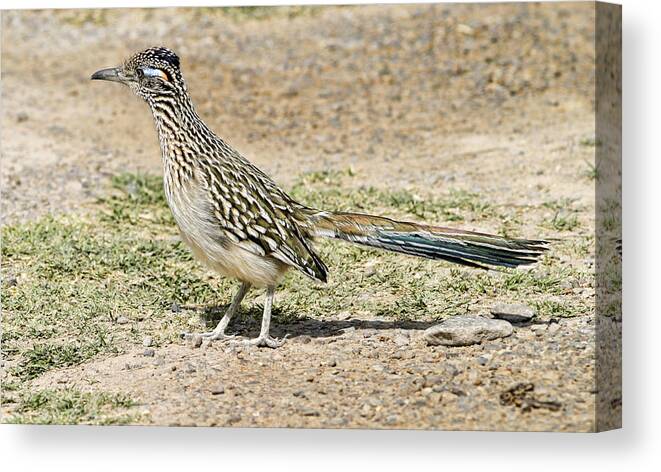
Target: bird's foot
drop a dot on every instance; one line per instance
(264, 341)
(210, 335)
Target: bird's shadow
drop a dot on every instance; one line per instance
(247, 322)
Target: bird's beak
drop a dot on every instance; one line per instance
(111, 74)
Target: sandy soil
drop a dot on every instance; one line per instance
(493, 99)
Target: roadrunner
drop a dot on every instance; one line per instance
(238, 222)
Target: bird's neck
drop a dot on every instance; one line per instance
(179, 127)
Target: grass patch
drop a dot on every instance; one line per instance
(41, 358)
(562, 222)
(556, 309)
(74, 278)
(590, 142)
(326, 190)
(592, 172)
(70, 406)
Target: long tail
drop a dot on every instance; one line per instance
(433, 242)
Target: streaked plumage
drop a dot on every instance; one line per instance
(240, 223)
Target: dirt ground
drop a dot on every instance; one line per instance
(495, 100)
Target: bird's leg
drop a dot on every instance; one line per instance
(264, 339)
(219, 331)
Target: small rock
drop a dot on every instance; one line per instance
(553, 328)
(466, 330)
(392, 419)
(147, 341)
(21, 117)
(432, 380)
(218, 390)
(539, 329)
(149, 352)
(401, 340)
(513, 312)
(121, 319)
(196, 341)
(234, 419)
(339, 421)
(483, 360)
(190, 369)
(465, 30)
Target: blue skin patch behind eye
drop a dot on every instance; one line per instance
(149, 72)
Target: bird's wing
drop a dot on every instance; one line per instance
(255, 213)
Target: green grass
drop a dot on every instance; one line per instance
(590, 142)
(70, 406)
(326, 190)
(76, 276)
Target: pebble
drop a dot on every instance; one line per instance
(483, 360)
(218, 390)
(147, 341)
(513, 312)
(401, 340)
(122, 320)
(538, 329)
(339, 421)
(466, 330)
(149, 352)
(553, 328)
(234, 419)
(196, 341)
(392, 419)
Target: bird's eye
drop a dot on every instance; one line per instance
(139, 73)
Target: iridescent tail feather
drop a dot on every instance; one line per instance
(433, 242)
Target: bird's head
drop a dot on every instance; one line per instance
(149, 73)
